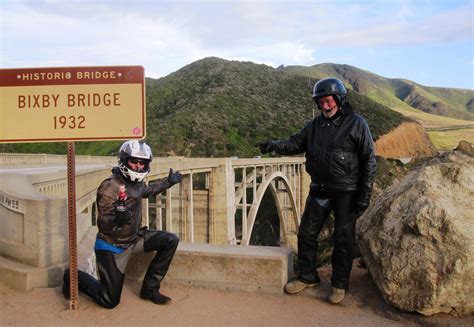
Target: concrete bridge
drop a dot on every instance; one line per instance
(216, 204)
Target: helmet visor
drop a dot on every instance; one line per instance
(138, 165)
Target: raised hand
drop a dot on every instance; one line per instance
(266, 146)
(174, 177)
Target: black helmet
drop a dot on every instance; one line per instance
(330, 86)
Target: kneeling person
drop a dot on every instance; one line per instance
(120, 233)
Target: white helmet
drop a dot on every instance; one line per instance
(134, 149)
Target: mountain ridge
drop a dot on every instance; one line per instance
(216, 108)
(245, 103)
(396, 92)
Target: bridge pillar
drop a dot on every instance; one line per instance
(145, 213)
(188, 208)
(222, 203)
(305, 181)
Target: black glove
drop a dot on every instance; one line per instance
(174, 177)
(266, 146)
(123, 215)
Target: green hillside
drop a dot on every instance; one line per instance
(215, 108)
(396, 93)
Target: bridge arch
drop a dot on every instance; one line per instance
(269, 182)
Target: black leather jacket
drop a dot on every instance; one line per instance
(107, 197)
(340, 154)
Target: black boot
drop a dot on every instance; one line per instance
(86, 284)
(154, 296)
(165, 244)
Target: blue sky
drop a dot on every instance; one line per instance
(430, 42)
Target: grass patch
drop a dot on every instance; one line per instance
(432, 121)
(448, 140)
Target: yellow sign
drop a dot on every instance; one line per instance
(72, 104)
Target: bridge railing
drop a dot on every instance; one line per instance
(26, 159)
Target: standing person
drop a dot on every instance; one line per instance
(340, 159)
(119, 202)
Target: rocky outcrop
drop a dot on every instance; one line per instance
(417, 238)
(465, 147)
(407, 140)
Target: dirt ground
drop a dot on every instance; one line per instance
(363, 306)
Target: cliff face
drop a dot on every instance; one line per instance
(407, 140)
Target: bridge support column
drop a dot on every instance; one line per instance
(222, 203)
(304, 191)
(169, 211)
(145, 213)
(159, 212)
(188, 208)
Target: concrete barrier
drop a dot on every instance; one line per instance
(239, 268)
(23, 277)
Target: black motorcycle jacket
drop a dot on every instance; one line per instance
(340, 153)
(107, 192)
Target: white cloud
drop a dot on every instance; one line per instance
(275, 54)
(166, 35)
(105, 37)
(454, 26)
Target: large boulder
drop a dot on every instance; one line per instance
(417, 238)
